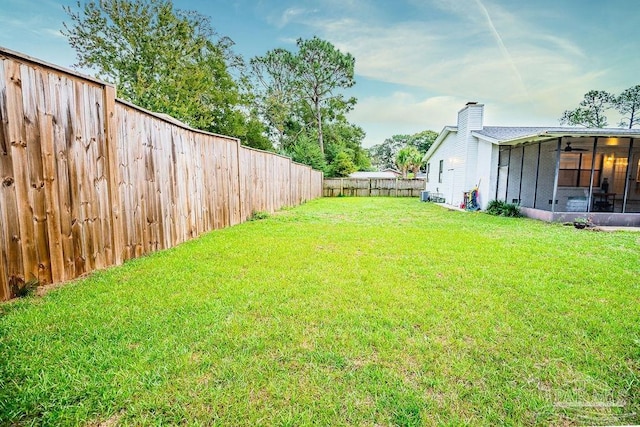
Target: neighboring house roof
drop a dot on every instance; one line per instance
(392, 170)
(367, 175)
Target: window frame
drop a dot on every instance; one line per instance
(582, 171)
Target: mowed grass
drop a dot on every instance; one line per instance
(347, 311)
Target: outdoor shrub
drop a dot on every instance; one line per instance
(495, 207)
(25, 289)
(257, 215)
(500, 208)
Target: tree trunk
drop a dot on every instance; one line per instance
(320, 137)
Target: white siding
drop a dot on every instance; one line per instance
(466, 160)
(486, 172)
(443, 152)
(464, 165)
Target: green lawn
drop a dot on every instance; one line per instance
(345, 311)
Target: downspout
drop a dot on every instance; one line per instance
(555, 180)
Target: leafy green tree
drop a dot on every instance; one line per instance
(342, 136)
(422, 140)
(321, 70)
(275, 78)
(591, 112)
(383, 156)
(162, 59)
(306, 151)
(298, 96)
(342, 165)
(628, 104)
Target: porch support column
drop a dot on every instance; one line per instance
(555, 180)
(535, 191)
(593, 169)
(506, 191)
(626, 177)
(521, 174)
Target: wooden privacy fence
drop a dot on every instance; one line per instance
(363, 187)
(89, 181)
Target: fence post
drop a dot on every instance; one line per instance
(240, 180)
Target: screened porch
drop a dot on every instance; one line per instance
(566, 177)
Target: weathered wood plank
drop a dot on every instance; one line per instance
(17, 130)
(10, 251)
(35, 107)
(113, 179)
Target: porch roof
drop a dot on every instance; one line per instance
(508, 135)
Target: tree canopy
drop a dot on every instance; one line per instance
(165, 60)
(592, 110)
(628, 104)
(299, 95)
(384, 155)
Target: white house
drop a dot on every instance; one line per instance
(553, 173)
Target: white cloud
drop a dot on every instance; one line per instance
(289, 15)
(498, 60)
(458, 51)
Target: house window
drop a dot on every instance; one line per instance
(440, 170)
(575, 170)
(428, 170)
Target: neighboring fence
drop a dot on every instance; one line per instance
(88, 181)
(333, 187)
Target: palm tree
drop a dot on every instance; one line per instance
(416, 162)
(408, 158)
(403, 160)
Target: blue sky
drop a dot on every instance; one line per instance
(417, 61)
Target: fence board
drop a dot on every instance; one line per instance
(18, 139)
(10, 253)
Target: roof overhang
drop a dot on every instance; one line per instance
(554, 134)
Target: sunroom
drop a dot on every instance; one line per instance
(561, 174)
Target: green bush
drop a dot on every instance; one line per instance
(500, 208)
(258, 215)
(25, 289)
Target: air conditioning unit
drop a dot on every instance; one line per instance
(424, 196)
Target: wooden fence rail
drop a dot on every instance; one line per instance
(363, 187)
(88, 181)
